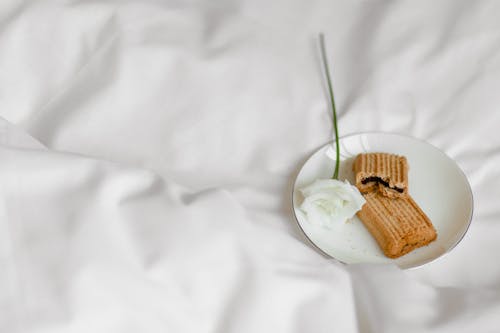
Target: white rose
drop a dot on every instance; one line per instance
(329, 201)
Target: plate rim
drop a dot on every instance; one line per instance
(469, 187)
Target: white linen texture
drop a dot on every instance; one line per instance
(148, 151)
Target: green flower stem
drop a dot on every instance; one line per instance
(332, 100)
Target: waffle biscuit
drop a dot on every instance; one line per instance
(385, 172)
(397, 224)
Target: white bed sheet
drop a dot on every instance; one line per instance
(148, 150)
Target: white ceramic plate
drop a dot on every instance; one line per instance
(436, 183)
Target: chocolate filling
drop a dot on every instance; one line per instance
(380, 181)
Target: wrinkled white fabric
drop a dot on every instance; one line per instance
(148, 150)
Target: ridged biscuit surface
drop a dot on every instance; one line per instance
(398, 224)
(385, 172)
